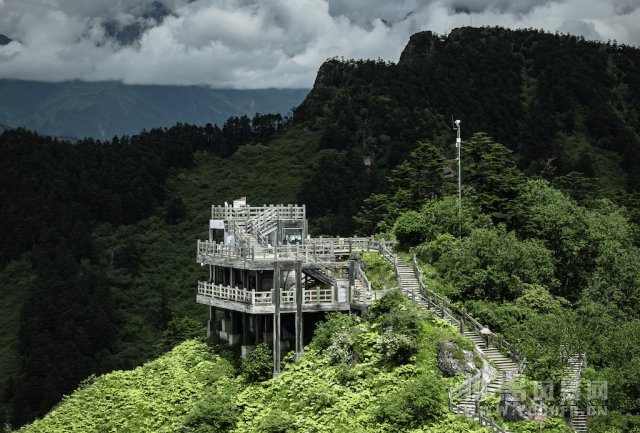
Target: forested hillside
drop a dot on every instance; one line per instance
(552, 274)
(561, 103)
(99, 241)
(373, 374)
(98, 236)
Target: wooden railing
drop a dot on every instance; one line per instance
(463, 320)
(471, 385)
(360, 275)
(242, 240)
(259, 224)
(288, 211)
(316, 250)
(476, 387)
(262, 298)
(319, 296)
(229, 293)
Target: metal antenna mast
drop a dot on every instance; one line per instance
(456, 126)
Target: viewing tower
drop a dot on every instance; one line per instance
(266, 275)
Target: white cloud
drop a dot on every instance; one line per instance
(259, 43)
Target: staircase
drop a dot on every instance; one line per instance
(506, 368)
(570, 391)
(248, 240)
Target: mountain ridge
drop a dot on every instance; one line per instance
(104, 109)
(559, 102)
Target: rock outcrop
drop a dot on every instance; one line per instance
(452, 359)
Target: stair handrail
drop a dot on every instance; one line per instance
(466, 389)
(360, 275)
(261, 220)
(463, 318)
(446, 309)
(242, 240)
(570, 385)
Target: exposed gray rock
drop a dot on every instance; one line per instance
(452, 359)
(512, 409)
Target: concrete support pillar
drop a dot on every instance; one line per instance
(352, 280)
(299, 325)
(257, 322)
(211, 324)
(225, 325)
(267, 333)
(232, 277)
(233, 334)
(247, 347)
(276, 320)
(245, 328)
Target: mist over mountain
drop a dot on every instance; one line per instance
(104, 109)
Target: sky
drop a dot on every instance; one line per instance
(260, 43)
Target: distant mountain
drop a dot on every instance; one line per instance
(104, 109)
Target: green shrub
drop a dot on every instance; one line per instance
(180, 329)
(418, 401)
(333, 323)
(410, 229)
(224, 351)
(277, 421)
(396, 311)
(346, 374)
(341, 350)
(258, 364)
(379, 272)
(431, 251)
(615, 422)
(401, 324)
(215, 412)
(396, 347)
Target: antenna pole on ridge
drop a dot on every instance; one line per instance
(456, 126)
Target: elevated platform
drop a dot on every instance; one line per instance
(315, 253)
(267, 276)
(262, 302)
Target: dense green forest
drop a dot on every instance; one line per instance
(93, 265)
(99, 236)
(549, 272)
(561, 103)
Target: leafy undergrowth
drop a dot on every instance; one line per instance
(156, 397)
(379, 271)
(375, 373)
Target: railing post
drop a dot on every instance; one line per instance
(468, 384)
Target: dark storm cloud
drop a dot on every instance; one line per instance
(259, 43)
